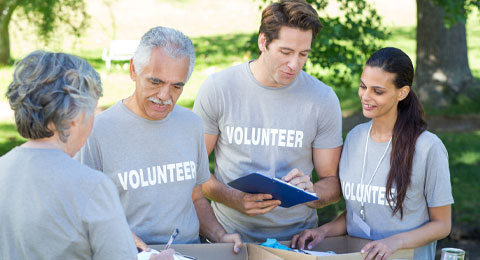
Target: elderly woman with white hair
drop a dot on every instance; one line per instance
(51, 206)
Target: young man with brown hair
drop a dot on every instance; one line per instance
(269, 116)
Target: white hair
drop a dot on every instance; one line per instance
(52, 88)
(174, 43)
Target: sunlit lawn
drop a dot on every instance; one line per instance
(9, 137)
(464, 156)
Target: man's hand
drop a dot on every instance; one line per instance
(163, 255)
(255, 204)
(297, 178)
(233, 238)
(308, 237)
(139, 243)
(249, 204)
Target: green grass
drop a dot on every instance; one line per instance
(473, 42)
(221, 51)
(464, 105)
(403, 38)
(9, 137)
(6, 73)
(464, 158)
(349, 100)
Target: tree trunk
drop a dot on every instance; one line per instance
(4, 45)
(6, 11)
(442, 70)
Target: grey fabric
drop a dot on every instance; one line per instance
(267, 130)
(52, 207)
(430, 186)
(155, 165)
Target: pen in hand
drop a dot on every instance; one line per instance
(172, 237)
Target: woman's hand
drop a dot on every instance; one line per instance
(380, 249)
(311, 237)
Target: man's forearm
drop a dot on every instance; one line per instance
(216, 191)
(209, 225)
(328, 191)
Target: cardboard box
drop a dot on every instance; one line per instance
(221, 251)
(345, 247)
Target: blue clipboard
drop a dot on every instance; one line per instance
(288, 194)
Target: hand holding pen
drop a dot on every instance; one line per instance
(172, 237)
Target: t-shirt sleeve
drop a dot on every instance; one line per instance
(329, 124)
(109, 234)
(90, 154)
(203, 173)
(206, 106)
(438, 189)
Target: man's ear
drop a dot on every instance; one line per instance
(262, 42)
(403, 93)
(133, 75)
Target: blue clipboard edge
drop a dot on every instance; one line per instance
(258, 183)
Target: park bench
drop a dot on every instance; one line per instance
(119, 50)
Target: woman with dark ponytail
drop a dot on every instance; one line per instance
(394, 173)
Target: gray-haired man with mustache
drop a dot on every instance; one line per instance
(154, 150)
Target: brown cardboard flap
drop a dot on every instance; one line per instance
(345, 247)
(288, 255)
(218, 251)
(258, 253)
(221, 251)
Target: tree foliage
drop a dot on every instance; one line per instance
(344, 43)
(457, 10)
(46, 15)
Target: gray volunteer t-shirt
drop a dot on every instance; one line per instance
(267, 130)
(155, 165)
(430, 186)
(52, 207)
